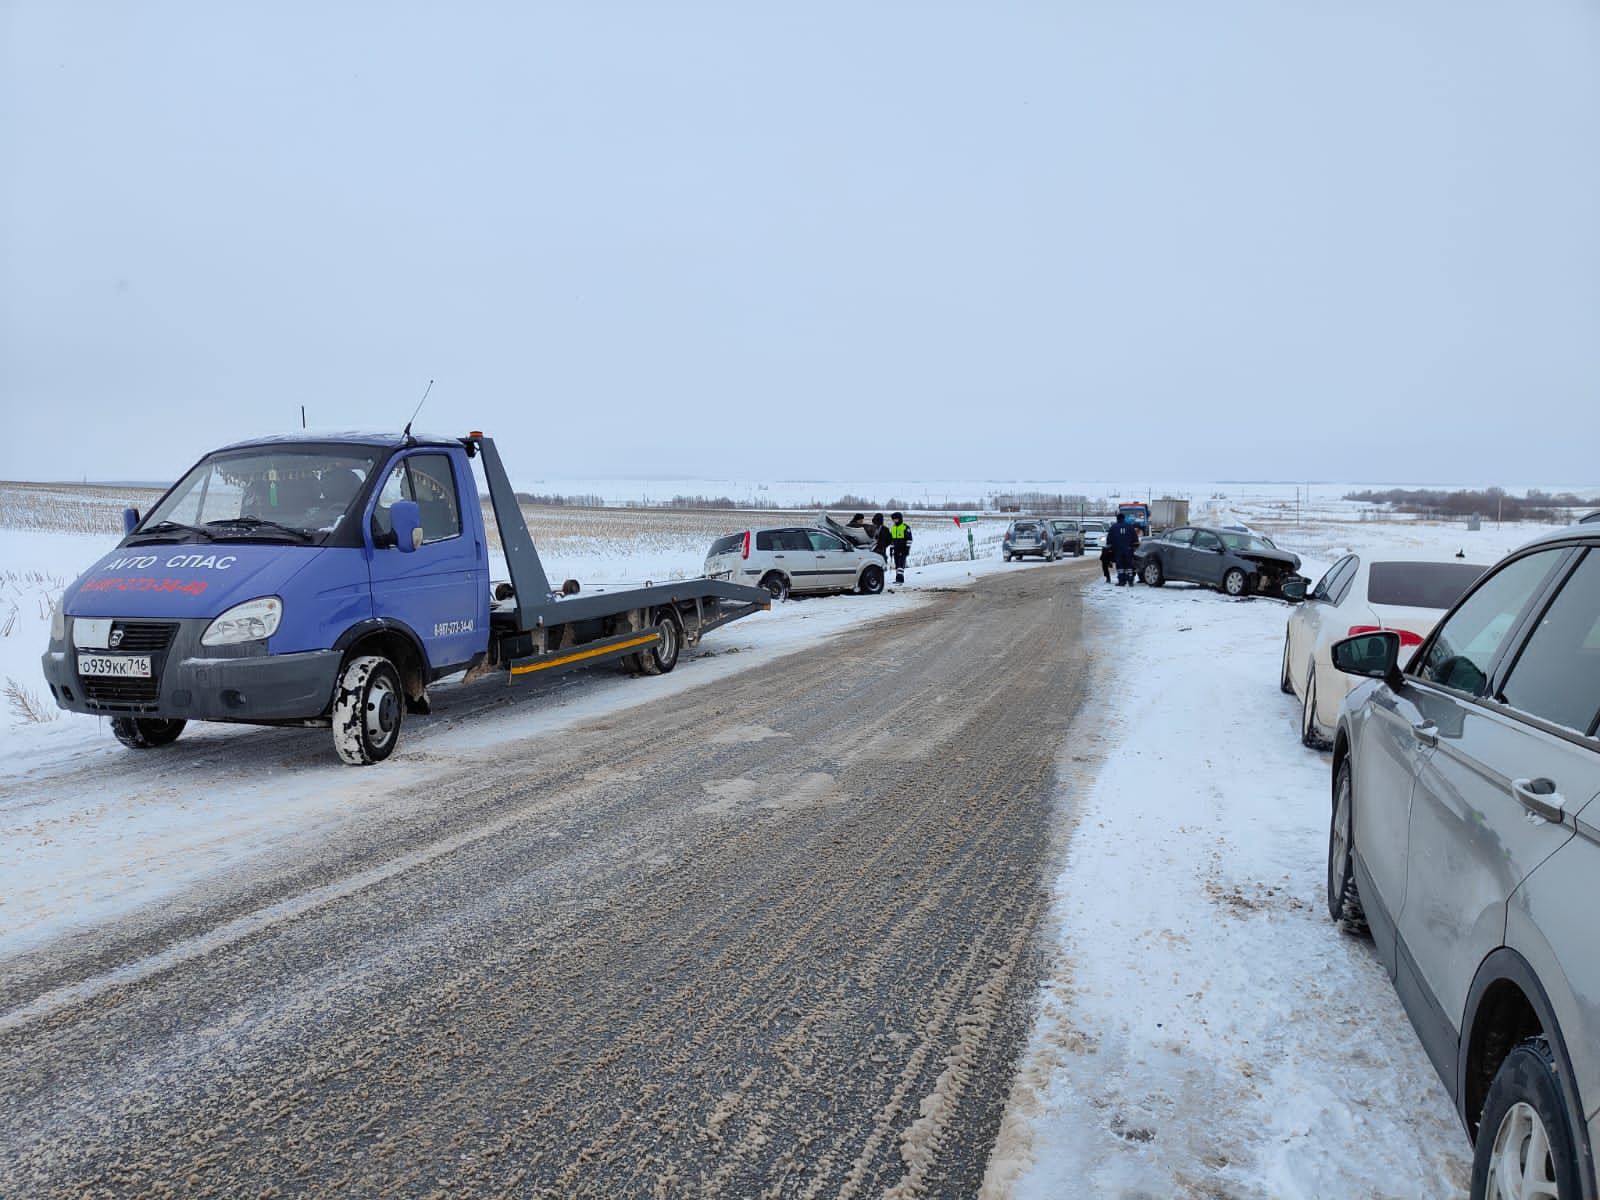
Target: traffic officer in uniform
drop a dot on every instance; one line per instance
(899, 544)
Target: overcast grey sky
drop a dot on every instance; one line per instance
(1236, 239)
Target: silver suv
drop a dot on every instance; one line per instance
(1466, 835)
(1028, 535)
(792, 558)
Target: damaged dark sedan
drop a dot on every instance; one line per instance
(1239, 564)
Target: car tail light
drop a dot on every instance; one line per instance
(1407, 638)
(745, 551)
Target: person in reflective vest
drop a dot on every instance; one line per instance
(899, 544)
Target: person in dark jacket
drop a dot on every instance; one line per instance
(1107, 557)
(1123, 538)
(900, 543)
(880, 536)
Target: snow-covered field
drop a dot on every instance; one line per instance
(1205, 1031)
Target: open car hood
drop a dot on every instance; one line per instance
(856, 537)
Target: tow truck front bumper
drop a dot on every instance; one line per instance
(191, 682)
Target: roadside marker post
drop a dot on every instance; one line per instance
(972, 553)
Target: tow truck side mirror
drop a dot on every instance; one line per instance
(130, 520)
(405, 518)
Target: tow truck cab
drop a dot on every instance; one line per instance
(265, 569)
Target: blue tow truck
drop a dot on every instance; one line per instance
(329, 580)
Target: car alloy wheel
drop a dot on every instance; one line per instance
(1235, 582)
(1522, 1168)
(1527, 1147)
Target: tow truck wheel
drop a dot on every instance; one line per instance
(871, 582)
(145, 733)
(663, 656)
(367, 708)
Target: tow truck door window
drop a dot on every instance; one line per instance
(440, 591)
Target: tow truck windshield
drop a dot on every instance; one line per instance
(299, 495)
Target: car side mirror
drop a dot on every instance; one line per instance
(1370, 655)
(1293, 590)
(405, 518)
(130, 520)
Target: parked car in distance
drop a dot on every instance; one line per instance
(1069, 536)
(1465, 834)
(1094, 534)
(795, 560)
(1238, 564)
(1361, 594)
(1028, 536)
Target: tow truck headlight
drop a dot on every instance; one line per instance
(248, 622)
(58, 623)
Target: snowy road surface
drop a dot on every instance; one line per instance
(773, 937)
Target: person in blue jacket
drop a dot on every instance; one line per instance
(1123, 539)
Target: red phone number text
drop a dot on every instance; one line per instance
(145, 583)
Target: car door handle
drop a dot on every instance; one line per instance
(1427, 734)
(1540, 796)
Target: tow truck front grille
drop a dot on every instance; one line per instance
(142, 637)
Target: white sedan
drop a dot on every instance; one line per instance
(1362, 594)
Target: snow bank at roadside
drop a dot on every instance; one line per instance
(1206, 1031)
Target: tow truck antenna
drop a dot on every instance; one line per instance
(418, 408)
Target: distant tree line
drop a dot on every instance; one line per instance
(580, 500)
(705, 502)
(1048, 503)
(1495, 504)
(847, 503)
